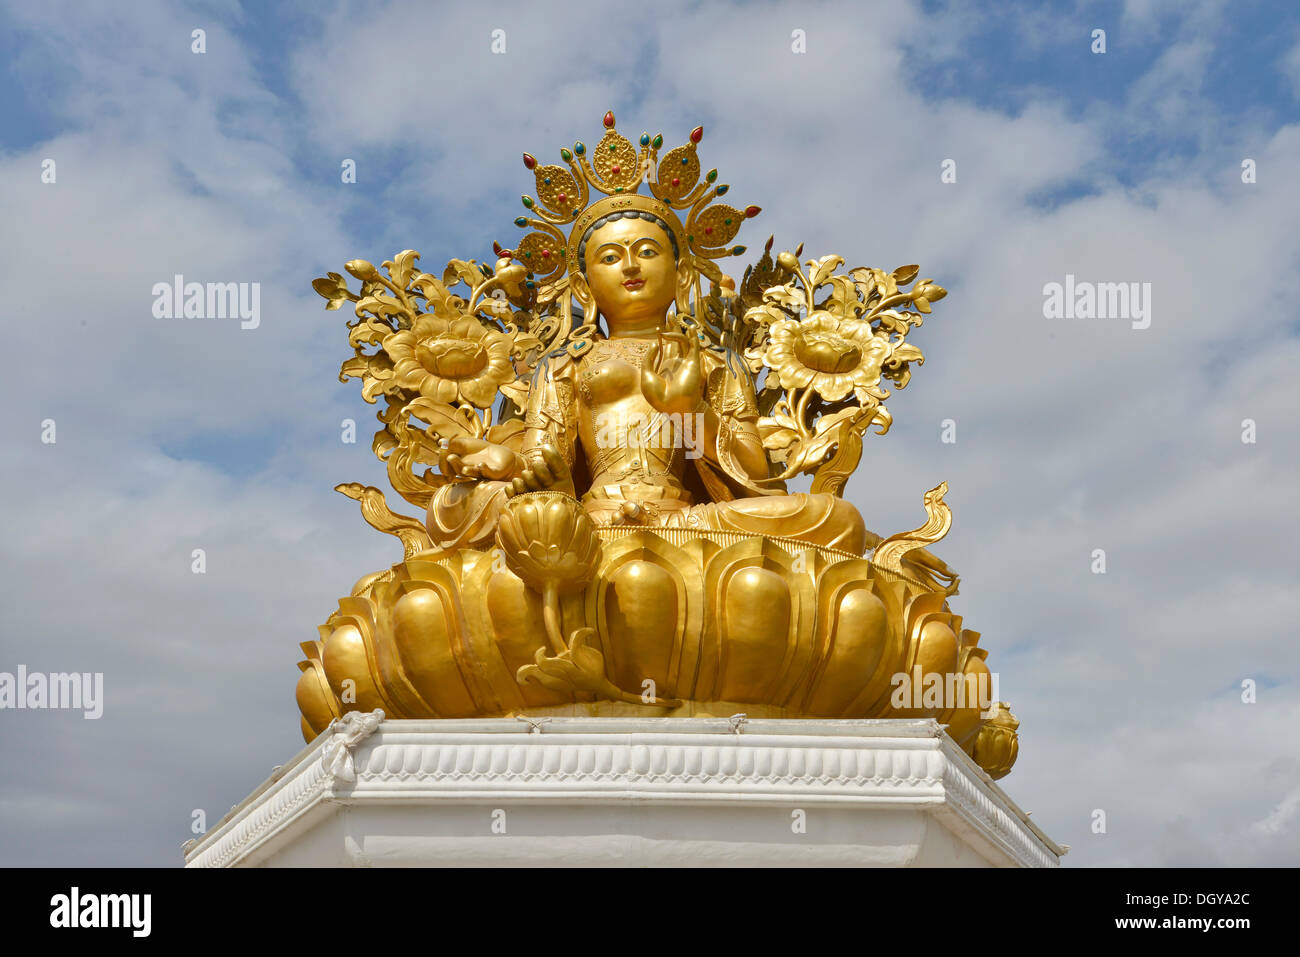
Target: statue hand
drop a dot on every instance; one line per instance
(465, 457)
(678, 388)
(544, 468)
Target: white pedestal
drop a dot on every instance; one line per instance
(627, 792)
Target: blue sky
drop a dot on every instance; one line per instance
(1124, 166)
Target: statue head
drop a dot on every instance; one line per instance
(631, 268)
(593, 202)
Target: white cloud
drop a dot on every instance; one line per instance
(1072, 435)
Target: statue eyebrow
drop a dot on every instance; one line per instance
(613, 242)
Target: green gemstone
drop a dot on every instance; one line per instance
(658, 141)
(690, 239)
(566, 155)
(713, 174)
(726, 222)
(528, 202)
(528, 255)
(618, 189)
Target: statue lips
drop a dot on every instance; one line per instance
(634, 284)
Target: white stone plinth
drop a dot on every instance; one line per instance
(627, 792)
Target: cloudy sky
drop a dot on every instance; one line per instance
(1072, 434)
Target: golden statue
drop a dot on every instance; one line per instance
(608, 529)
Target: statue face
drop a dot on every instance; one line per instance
(630, 271)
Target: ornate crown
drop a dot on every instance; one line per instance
(616, 169)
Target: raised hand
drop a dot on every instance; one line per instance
(674, 387)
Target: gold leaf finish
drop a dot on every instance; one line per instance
(599, 446)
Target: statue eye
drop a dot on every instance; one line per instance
(609, 258)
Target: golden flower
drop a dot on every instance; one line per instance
(547, 539)
(837, 356)
(448, 360)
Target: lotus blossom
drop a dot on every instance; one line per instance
(835, 355)
(451, 360)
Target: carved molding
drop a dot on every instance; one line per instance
(909, 764)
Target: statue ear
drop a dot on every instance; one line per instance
(578, 283)
(685, 279)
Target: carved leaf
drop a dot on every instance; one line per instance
(401, 267)
(385, 307)
(435, 293)
(822, 268)
(786, 297)
(463, 271)
(843, 300)
(364, 333)
(443, 420)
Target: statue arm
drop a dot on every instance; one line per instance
(550, 428)
(730, 421)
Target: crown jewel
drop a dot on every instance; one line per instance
(616, 169)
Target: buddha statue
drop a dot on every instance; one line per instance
(606, 525)
(618, 425)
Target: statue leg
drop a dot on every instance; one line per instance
(816, 518)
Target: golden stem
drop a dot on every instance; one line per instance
(801, 407)
(551, 617)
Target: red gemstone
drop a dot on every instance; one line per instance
(546, 254)
(609, 119)
(708, 230)
(697, 134)
(676, 181)
(529, 161)
(616, 170)
(563, 198)
(752, 211)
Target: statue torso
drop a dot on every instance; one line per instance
(628, 443)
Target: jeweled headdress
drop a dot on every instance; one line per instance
(616, 170)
